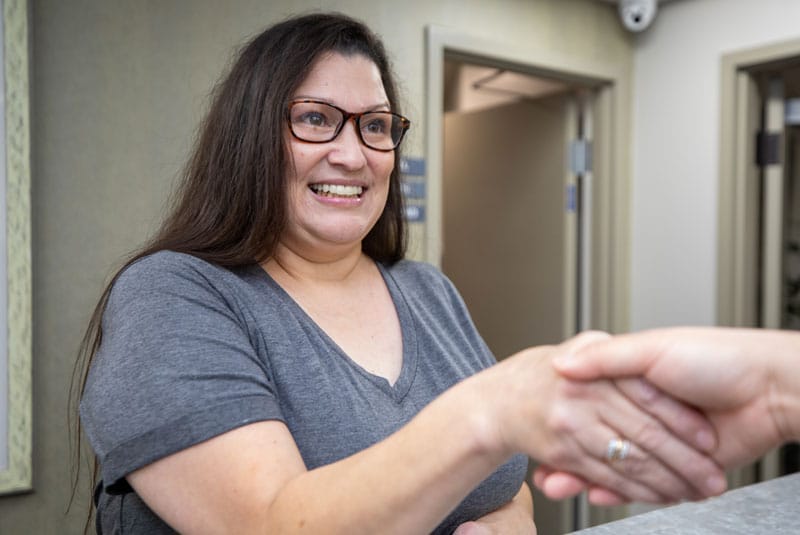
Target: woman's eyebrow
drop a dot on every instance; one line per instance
(382, 106)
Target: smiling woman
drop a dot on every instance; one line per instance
(270, 362)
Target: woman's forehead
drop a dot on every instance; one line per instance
(345, 80)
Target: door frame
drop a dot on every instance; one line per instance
(739, 209)
(611, 170)
(738, 206)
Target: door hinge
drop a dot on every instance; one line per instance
(768, 148)
(580, 156)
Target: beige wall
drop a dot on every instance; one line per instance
(675, 142)
(118, 87)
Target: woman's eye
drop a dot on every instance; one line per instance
(376, 125)
(313, 118)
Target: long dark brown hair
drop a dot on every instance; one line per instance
(230, 205)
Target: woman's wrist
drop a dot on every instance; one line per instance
(473, 401)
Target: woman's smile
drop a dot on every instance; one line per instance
(337, 191)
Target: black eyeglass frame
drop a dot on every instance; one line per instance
(346, 116)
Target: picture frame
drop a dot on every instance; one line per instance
(16, 414)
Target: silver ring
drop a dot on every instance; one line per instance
(617, 449)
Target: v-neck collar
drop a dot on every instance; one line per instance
(401, 386)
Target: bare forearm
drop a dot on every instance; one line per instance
(406, 484)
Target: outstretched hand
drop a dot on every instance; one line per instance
(716, 370)
(712, 369)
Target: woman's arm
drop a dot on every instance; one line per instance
(252, 479)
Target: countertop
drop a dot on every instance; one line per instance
(771, 507)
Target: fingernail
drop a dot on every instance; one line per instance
(705, 440)
(716, 484)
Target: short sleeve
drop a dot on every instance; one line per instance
(177, 365)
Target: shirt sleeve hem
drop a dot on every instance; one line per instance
(180, 434)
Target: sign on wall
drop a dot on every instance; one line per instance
(412, 182)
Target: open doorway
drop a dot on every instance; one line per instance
(509, 240)
(527, 220)
(511, 212)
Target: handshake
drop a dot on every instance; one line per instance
(655, 416)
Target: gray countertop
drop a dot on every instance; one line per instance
(771, 507)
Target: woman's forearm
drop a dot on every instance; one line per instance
(405, 484)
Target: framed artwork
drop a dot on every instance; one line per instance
(15, 254)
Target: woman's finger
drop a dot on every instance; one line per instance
(557, 485)
(634, 473)
(683, 473)
(684, 421)
(593, 414)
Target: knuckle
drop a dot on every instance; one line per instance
(642, 392)
(562, 420)
(636, 466)
(650, 435)
(561, 456)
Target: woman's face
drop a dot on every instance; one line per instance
(337, 190)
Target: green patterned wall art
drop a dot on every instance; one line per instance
(16, 405)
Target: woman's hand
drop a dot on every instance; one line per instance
(514, 518)
(568, 426)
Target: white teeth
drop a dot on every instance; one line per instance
(337, 189)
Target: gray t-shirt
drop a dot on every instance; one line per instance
(191, 350)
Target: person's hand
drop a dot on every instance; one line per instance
(568, 426)
(514, 518)
(732, 374)
(560, 485)
(716, 370)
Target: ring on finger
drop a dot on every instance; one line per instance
(617, 449)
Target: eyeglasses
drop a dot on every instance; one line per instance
(319, 122)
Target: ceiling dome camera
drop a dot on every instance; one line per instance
(637, 15)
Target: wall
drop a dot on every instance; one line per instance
(118, 88)
(676, 149)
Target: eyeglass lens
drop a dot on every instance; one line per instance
(318, 122)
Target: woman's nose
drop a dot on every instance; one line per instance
(347, 149)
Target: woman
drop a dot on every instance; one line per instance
(270, 364)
